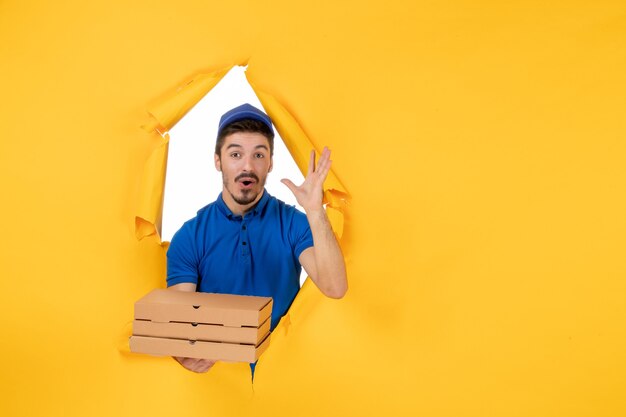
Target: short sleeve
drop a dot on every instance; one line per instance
(301, 236)
(182, 265)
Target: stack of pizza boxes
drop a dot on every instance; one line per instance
(200, 325)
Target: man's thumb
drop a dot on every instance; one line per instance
(289, 184)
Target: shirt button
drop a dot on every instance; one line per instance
(244, 243)
(243, 227)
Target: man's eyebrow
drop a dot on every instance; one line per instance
(233, 145)
(261, 146)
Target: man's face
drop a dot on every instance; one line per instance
(244, 162)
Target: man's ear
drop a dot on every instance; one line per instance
(218, 162)
(271, 164)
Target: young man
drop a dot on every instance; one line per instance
(248, 242)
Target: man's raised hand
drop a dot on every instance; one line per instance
(310, 194)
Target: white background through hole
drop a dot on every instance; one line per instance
(192, 181)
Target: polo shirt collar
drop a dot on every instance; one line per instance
(257, 209)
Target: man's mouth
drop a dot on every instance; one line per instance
(247, 181)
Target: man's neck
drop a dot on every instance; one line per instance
(236, 208)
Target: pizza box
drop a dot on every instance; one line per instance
(167, 306)
(202, 332)
(231, 352)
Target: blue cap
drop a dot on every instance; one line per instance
(245, 111)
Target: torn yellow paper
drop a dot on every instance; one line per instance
(300, 146)
(482, 144)
(295, 139)
(335, 217)
(150, 207)
(164, 114)
(174, 105)
(169, 109)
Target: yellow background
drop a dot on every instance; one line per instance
(482, 145)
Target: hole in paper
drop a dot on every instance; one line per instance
(192, 180)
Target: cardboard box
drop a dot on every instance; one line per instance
(201, 350)
(165, 306)
(202, 325)
(203, 332)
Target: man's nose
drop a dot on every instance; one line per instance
(247, 164)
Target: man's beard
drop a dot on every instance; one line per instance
(248, 196)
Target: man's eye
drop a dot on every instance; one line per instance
(260, 155)
(235, 154)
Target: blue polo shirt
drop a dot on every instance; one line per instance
(254, 254)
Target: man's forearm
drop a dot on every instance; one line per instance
(324, 262)
(329, 263)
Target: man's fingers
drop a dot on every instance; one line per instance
(195, 365)
(311, 163)
(289, 185)
(204, 365)
(323, 165)
(323, 170)
(324, 159)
